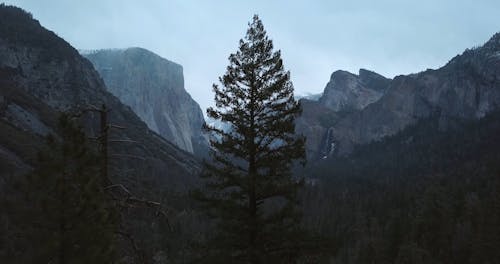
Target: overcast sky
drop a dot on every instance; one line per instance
(315, 37)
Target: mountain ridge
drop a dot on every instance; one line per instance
(154, 88)
(41, 76)
(466, 87)
(350, 92)
(345, 93)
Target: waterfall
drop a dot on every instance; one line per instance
(328, 145)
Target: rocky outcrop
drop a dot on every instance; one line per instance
(467, 88)
(368, 107)
(314, 123)
(41, 75)
(154, 88)
(44, 69)
(346, 92)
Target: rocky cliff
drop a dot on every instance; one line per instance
(368, 107)
(47, 71)
(344, 94)
(314, 123)
(154, 88)
(347, 92)
(467, 88)
(42, 75)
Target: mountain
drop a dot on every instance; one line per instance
(315, 124)
(412, 177)
(154, 88)
(349, 92)
(345, 93)
(308, 96)
(467, 88)
(367, 107)
(42, 75)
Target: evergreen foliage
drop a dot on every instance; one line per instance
(424, 195)
(250, 190)
(67, 217)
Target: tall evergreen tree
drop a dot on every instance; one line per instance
(249, 187)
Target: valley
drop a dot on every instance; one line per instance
(397, 170)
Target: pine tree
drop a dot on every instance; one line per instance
(68, 218)
(249, 188)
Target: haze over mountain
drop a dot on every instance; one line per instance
(154, 88)
(388, 37)
(400, 170)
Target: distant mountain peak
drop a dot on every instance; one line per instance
(154, 88)
(365, 74)
(466, 88)
(341, 73)
(347, 91)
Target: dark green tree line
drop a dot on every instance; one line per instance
(66, 215)
(424, 195)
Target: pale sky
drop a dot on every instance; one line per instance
(390, 37)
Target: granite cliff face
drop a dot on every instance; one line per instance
(344, 94)
(42, 75)
(154, 88)
(42, 67)
(465, 88)
(314, 123)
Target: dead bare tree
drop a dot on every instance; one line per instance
(121, 195)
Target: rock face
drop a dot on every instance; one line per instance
(467, 87)
(314, 123)
(49, 73)
(367, 106)
(345, 93)
(42, 75)
(154, 88)
(349, 92)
